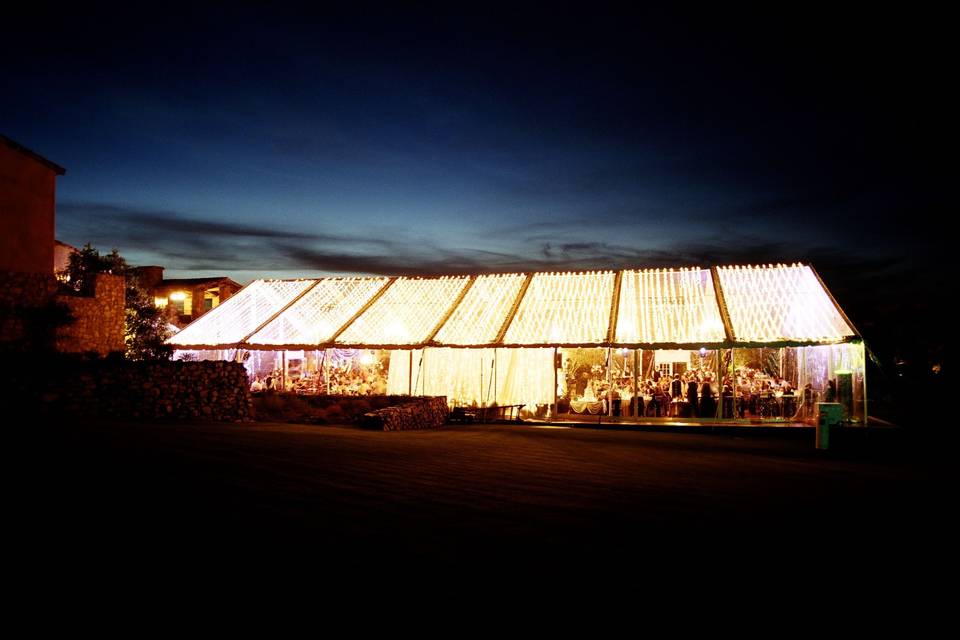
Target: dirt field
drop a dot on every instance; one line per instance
(477, 494)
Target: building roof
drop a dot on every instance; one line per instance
(193, 282)
(13, 144)
(721, 307)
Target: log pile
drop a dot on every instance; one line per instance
(116, 388)
(421, 413)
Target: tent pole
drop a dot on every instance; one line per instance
(326, 371)
(863, 359)
(733, 385)
(636, 387)
(554, 383)
(283, 370)
(419, 373)
(610, 381)
(490, 378)
(830, 367)
(410, 374)
(719, 410)
(483, 399)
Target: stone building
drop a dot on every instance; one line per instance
(186, 298)
(28, 183)
(28, 289)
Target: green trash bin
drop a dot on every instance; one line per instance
(830, 414)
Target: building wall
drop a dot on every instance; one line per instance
(19, 294)
(149, 276)
(99, 321)
(27, 201)
(61, 256)
(195, 296)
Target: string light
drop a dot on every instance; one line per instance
(407, 312)
(482, 312)
(668, 306)
(317, 315)
(564, 308)
(234, 319)
(781, 302)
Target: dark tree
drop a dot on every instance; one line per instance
(145, 327)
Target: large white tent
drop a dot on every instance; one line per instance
(520, 318)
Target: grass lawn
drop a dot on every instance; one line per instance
(483, 495)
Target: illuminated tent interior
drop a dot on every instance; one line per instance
(508, 338)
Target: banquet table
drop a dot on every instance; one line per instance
(679, 408)
(587, 406)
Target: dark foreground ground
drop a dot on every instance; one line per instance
(488, 496)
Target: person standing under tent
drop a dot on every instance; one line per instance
(708, 405)
(692, 397)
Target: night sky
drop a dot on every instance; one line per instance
(299, 141)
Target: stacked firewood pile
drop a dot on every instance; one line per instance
(117, 388)
(422, 413)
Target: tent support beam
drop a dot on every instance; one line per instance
(614, 308)
(722, 306)
(513, 309)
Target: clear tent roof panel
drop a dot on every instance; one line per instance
(406, 314)
(480, 315)
(241, 314)
(765, 304)
(781, 303)
(668, 306)
(564, 308)
(314, 318)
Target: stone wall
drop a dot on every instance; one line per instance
(98, 324)
(423, 413)
(118, 388)
(21, 293)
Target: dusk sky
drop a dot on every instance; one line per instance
(301, 141)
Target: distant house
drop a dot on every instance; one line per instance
(187, 298)
(61, 256)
